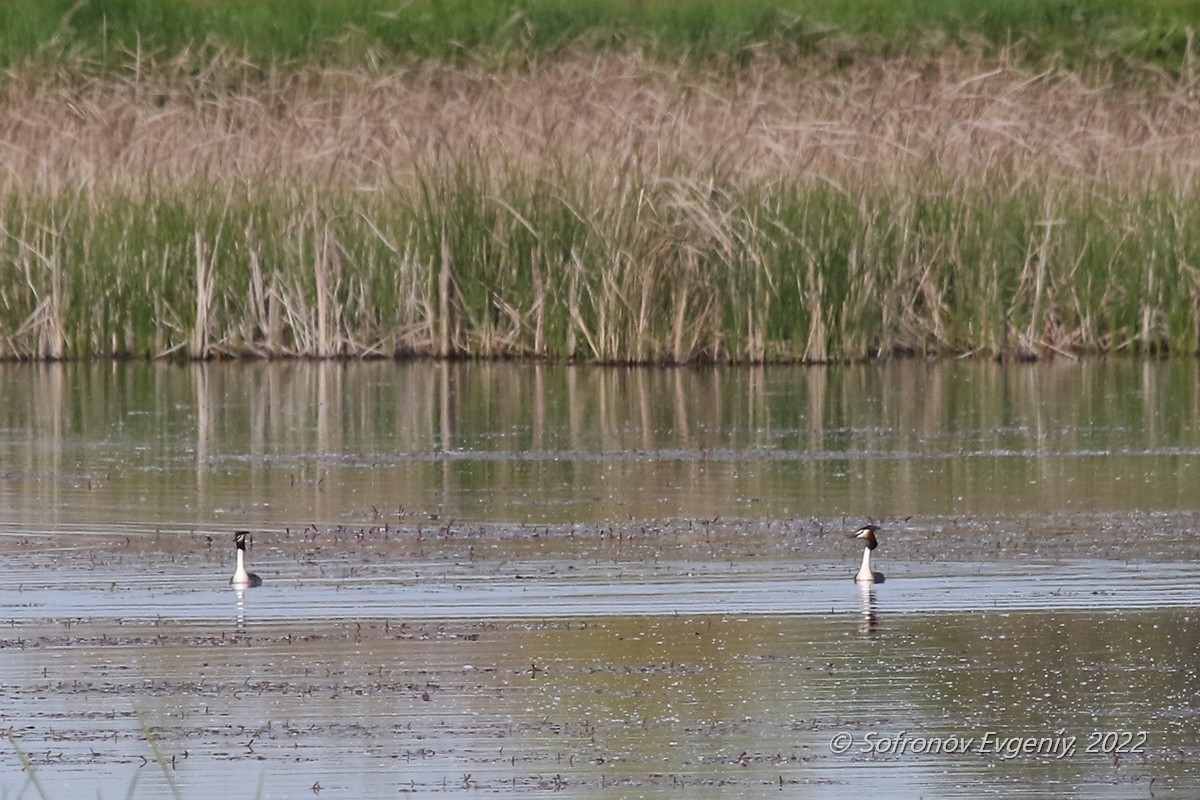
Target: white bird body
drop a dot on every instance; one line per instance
(241, 577)
(865, 574)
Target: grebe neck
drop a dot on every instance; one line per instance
(241, 576)
(865, 575)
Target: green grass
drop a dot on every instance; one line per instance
(817, 181)
(470, 265)
(346, 33)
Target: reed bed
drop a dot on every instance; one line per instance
(603, 207)
(120, 34)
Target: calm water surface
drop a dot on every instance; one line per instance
(599, 582)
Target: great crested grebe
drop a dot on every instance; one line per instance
(241, 578)
(865, 574)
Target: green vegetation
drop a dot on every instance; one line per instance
(634, 182)
(461, 268)
(343, 32)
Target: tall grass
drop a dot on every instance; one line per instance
(610, 209)
(517, 266)
(343, 33)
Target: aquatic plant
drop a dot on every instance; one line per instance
(27, 766)
(601, 206)
(151, 738)
(505, 33)
(658, 272)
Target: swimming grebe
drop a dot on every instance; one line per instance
(865, 574)
(242, 578)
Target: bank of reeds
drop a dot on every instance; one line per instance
(610, 209)
(671, 271)
(117, 35)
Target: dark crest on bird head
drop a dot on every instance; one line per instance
(867, 534)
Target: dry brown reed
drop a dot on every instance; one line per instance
(676, 179)
(981, 119)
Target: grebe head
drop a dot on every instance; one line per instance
(241, 578)
(867, 534)
(865, 574)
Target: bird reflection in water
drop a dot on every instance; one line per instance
(869, 620)
(242, 578)
(240, 619)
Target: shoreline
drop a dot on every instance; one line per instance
(600, 208)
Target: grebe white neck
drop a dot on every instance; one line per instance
(865, 574)
(241, 576)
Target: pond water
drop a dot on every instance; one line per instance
(508, 578)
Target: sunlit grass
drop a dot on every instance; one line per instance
(346, 33)
(603, 204)
(520, 265)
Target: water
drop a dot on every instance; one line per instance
(508, 579)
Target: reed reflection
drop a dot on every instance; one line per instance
(301, 443)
